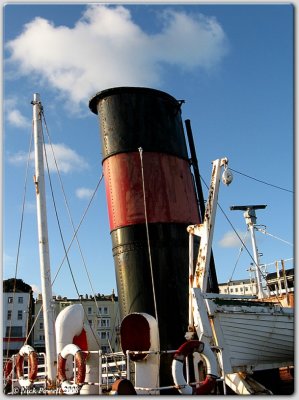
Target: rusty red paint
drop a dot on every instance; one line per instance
(170, 195)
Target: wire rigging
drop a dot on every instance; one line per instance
(239, 255)
(275, 237)
(147, 232)
(69, 213)
(259, 180)
(20, 237)
(61, 235)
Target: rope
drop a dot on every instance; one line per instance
(265, 183)
(147, 232)
(244, 246)
(239, 255)
(78, 227)
(19, 241)
(69, 213)
(61, 236)
(275, 237)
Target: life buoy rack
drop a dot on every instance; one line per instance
(180, 355)
(33, 366)
(79, 357)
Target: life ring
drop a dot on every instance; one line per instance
(66, 386)
(8, 371)
(33, 366)
(122, 387)
(180, 355)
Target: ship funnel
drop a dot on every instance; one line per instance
(151, 201)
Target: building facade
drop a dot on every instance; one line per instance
(245, 287)
(101, 314)
(18, 306)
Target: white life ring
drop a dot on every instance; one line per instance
(33, 366)
(184, 350)
(66, 386)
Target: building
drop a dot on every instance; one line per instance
(101, 314)
(18, 306)
(245, 287)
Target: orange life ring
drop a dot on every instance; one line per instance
(33, 365)
(122, 387)
(8, 371)
(180, 355)
(79, 357)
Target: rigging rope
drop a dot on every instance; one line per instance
(265, 183)
(239, 255)
(275, 237)
(19, 240)
(69, 213)
(245, 247)
(61, 235)
(147, 232)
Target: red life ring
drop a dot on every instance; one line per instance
(8, 371)
(180, 355)
(33, 365)
(66, 386)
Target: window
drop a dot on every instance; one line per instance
(41, 337)
(9, 314)
(89, 310)
(246, 289)
(14, 331)
(10, 299)
(41, 325)
(103, 310)
(231, 290)
(241, 289)
(90, 322)
(104, 323)
(20, 300)
(104, 335)
(225, 290)
(20, 314)
(105, 349)
(237, 289)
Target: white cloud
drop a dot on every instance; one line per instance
(106, 48)
(84, 193)
(67, 159)
(230, 239)
(14, 115)
(18, 120)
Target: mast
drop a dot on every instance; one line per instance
(250, 218)
(48, 311)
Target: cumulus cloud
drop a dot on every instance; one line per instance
(230, 239)
(67, 159)
(106, 48)
(14, 116)
(84, 193)
(18, 120)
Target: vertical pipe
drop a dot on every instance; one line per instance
(46, 283)
(260, 292)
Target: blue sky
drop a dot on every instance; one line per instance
(231, 63)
